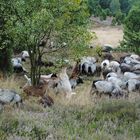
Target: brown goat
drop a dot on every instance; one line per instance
(75, 71)
(34, 91)
(41, 89)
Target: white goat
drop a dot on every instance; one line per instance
(64, 85)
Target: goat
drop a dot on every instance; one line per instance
(40, 89)
(75, 81)
(64, 85)
(74, 78)
(36, 91)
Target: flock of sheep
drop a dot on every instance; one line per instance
(117, 79)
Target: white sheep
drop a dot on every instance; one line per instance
(115, 66)
(9, 96)
(132, 83)
(25, 54)
(105, 64)
(131, 75)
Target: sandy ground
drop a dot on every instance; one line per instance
(107, 34)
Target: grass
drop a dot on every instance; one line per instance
(83, 117)
(77, 119)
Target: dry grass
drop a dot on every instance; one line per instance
(77, 118)
(107, 34)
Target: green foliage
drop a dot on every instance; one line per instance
(31, 22)
(132, 30)
(113, 119)
(116, 8)
(5, 60)
(6, 42)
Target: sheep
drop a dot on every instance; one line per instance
(9, 96)
(105, 64)
(130, 60)
(111, 74)
(118, 82)
(64, 85)
(102, 87)
(123, 57)
(131, 75)
(137, 72)
(132, 84)
(107, 48)
(24, 54)
(17, 66)
(107, 88)
(106, 71)
(107, 56)
(115, 66)
(136, 67)
(125, 67)
(88, 65)
(91, 69)
(135, 56)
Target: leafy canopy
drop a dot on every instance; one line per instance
(33, 21)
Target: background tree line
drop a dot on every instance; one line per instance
(119, 9)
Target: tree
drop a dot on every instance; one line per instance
(104, 3)
(115, 6)
(36, 23)
(6, 42)
(125, 6)
(132, 29)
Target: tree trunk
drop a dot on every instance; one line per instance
(35, 69)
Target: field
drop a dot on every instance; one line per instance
(106, 34)
(83, 117)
